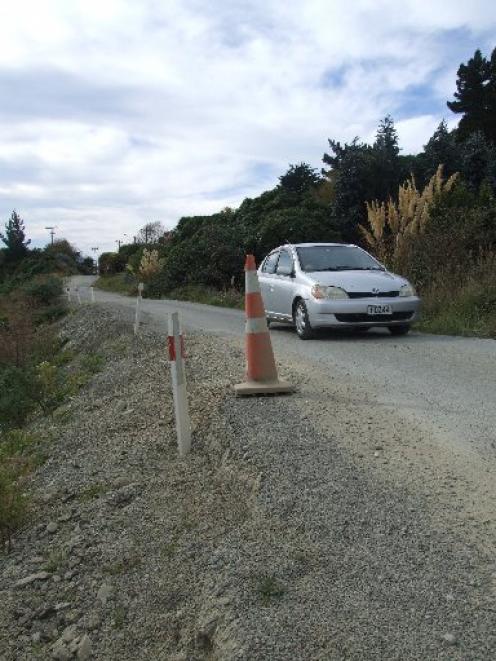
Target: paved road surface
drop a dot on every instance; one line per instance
(446, 383)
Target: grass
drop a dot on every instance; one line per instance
(92, 363)
(91, 492)
(119, 617)
(269, 588)
(230, 298)
(468, 309)
(20, 452)
(55, 561)
(122, 566)
(119, 283)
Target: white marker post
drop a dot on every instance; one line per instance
(176, 358)
(137, 313)
(92, 292)
(78, 295)
(68, 292)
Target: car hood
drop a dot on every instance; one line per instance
(358, 281)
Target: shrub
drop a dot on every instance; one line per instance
(17, 396)
(44, 291)
(13, 502)
(50, 314)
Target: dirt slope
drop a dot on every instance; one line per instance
(299, 527)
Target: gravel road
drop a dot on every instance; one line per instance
(448, 384)
(308, 527)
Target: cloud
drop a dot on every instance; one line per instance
(116, 113)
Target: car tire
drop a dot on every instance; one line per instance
(401, 329)
(301, 321)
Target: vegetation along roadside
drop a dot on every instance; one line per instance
(430, 217)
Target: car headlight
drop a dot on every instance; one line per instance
(407, 290)
(333, 293)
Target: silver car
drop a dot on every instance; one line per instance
(334, 285)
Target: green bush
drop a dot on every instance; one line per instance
(44, 291)
(18, 394)
(13, 502)
(48, 315)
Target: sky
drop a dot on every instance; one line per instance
(114, 113)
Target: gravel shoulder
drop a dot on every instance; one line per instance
(302, 527)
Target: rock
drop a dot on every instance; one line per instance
(69, 634)
(449, 638)
(84, 648)
(60, 651)
(71, 616)
(70, 574)
(44, 612)
(52, 527)
(123, 496)
(94, 621)
(104, 593)
(37, 560)
(36, 637)
(62, 605)
(40, 576)
(65, 517)
(56, 578)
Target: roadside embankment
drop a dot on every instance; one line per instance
(281, 536)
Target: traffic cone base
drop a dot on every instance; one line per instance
(261, 371)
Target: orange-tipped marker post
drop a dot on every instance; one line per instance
(261, 371)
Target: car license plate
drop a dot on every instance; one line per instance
(379, 309)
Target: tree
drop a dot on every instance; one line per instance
(386, 152)
(441, 149)
(15, 238)
(476, 97)
(151, 232)
(352, 176)
(299, 179)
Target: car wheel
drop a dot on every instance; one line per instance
(401, 329)
(302, 323)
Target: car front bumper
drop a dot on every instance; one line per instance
(353, 312)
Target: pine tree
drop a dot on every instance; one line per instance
(15, 238)
(386, 156)
(472, 97)
(441, 150)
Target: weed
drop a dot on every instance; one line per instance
(14, 504)
(169, 549)
(269, 588)
(91, 492)
(119, 617)
(55, 561)
(118, 347)
(92, 363)
(122, 566)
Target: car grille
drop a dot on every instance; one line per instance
(360, 316)
(369, 294)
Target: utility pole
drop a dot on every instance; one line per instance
(95, 250)
(52, 231)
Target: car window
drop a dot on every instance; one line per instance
(269, 265)
(336, 258)
(285, 264)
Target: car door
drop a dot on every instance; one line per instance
(284, 285)
(266, 278)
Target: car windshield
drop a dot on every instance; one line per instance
(336, 258)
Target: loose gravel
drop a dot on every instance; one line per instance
(273, 539)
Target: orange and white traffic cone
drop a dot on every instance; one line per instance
(261, 371)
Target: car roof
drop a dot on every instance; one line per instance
(313, 245)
